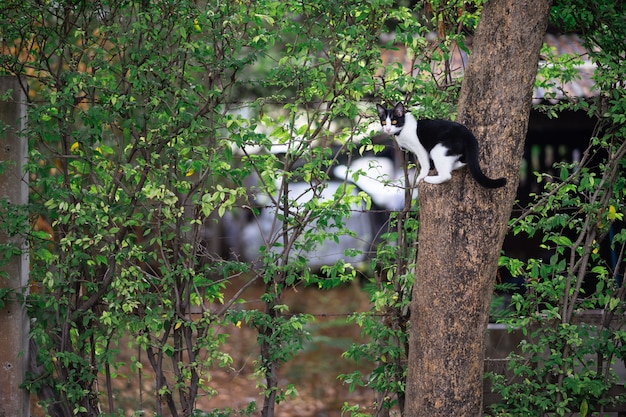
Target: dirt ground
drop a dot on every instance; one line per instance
(314, 371)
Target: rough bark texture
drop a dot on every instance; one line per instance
(462, 225)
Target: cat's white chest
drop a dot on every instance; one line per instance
(407, 139)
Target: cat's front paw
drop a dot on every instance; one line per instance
(437, 179)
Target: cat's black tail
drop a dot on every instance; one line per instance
(471, 154)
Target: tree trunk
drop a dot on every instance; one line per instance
(462, 225)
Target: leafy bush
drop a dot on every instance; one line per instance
(147, 125)
(565, 363)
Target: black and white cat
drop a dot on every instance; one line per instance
(450, 145)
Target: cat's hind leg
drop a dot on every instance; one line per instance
(444, 164)
(458, 164)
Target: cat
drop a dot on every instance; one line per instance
(450, 145)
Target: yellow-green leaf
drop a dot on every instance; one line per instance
(584, 408)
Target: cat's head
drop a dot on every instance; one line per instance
(391, 120)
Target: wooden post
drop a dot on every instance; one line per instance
(14, 325)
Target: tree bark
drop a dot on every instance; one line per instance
(462, 225)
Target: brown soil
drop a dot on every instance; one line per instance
(313, 371)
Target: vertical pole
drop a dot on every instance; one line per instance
(14, 325)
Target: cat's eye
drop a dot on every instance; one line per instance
(382, 122)
(394, 122)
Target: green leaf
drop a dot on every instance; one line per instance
(584, 408)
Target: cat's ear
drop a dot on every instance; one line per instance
(399, 109)
(382, 112)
